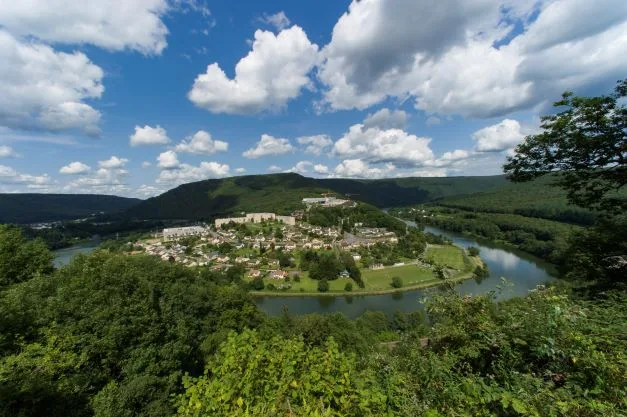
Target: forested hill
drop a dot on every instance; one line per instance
(33, 208)
(282, 193)
(537, 198)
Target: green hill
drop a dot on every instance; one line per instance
(283, 193)
(33, 208)
(532, 199)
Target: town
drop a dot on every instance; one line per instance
(276, 252)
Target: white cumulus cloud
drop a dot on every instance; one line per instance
(269, 145)
(356, 168)
(383, 145)
(185, 173)
(387, 119)
(498, 137)
(315, 144)
(109, 24)
(301, 167)
(168, 160)
(274, 72)
(113, 163)
(148, 135)
(321, 169)
(7, 152)
(470, 57)
(201, 142)
(9, 175)
(75, 168)
(45, 89)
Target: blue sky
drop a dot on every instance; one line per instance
(133, 97)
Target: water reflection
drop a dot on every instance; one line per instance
(507, 260)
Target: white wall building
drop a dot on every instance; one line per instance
(256, 218)
(179, 232)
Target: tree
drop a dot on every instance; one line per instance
(251, 376)
(258, 284)
(348, 287)
(323, 285)
(21, 259)
(472, 251)
(585, 145)
(397, 282)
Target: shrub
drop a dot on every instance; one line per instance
(397, 282)
(472, 251)
(348, 286)
(258, 284)
(323, 286)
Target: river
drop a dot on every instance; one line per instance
(522, 271)
(63, 256)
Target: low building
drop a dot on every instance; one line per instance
(256, 218)
(179, 232)
(278, 274)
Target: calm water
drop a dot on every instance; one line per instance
(64, 256)
(520, 269)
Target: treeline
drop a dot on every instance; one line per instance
(116, 335)
(543, 238)
(539, 198)
(68, 233)
(347, 217)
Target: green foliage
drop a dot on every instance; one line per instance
(33, 208)
(257, 284)
(473, 251)
(397, 282)
(323, 285)
(538, 198)
(113, 331)
(21, 259)
(541, 355)
(348, 287)
(327, 267)
(251, 376)
(366, 214)
(543, 238)
(585, 143)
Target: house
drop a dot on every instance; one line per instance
(278, 274)
(254, 273)
(344, 274)
(377, 266)
(356, 257)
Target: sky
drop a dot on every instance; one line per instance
(135, 97)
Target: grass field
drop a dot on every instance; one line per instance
(380, 280)
(448, 255)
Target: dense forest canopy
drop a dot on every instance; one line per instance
(33, 208)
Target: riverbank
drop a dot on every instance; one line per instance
(434, 282)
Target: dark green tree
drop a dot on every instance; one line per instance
(323, 285)
(585, 145)
(21, 259)
(397, 282)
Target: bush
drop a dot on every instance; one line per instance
(258, 284)
(397, 282)
(472, 251)
(296, 278)
(348, 286)
(271, 287)
(323, 286)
